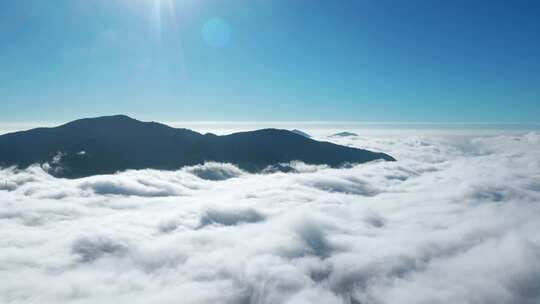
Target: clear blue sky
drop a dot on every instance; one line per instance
(174, 60)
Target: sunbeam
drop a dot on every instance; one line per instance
(163, 17)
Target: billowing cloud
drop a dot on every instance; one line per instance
(454, 220)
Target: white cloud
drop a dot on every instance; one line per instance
(454, 220)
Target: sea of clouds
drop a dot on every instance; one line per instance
(455, 220)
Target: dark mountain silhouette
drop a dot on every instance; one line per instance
(344, 134)
(113, 143)
(301, 133)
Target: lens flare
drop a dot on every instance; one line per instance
(216, 33)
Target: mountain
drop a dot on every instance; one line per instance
(301, 133)
(343, 134)
(113, 143)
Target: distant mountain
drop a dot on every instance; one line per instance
(343, 134)
(296, 131)
(113, 143)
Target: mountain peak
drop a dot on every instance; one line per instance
(120, 118)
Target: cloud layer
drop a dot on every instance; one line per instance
(454, 220)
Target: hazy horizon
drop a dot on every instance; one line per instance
(323, 127)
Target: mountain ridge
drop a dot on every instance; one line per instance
(108, 144)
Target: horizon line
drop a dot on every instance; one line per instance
(313, 122)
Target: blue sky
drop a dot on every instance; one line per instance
(178, 60)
